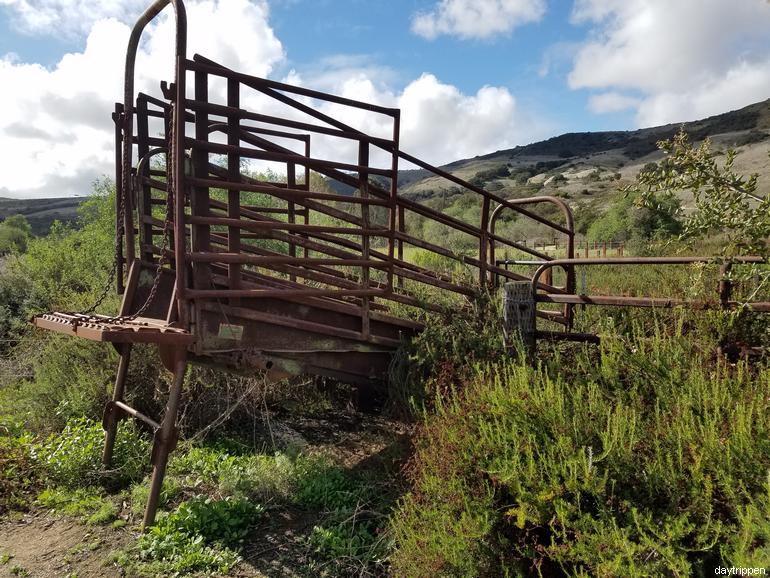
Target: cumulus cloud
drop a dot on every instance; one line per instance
(56, 135)
(476, 18)
(611, 102)
(71, 18)
(439, 122)
(686, 61)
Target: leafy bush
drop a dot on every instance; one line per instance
(650, 460)
(321, 485)
(15, 233)
(625, 221)
(197, 537)
(72, 458)
(443, 352)
(350, 539)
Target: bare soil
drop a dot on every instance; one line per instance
(40, 546)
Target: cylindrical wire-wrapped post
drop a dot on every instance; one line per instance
(519, 316)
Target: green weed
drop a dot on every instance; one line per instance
(201, 535)
(72, 458)
(88, 503)
(19, 476)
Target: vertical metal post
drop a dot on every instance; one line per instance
(233, 195)
(291, 182)
(165, 441)
(483, 240)
(401, 229)
(393, 196)
(199, 200)
(116, 117)
(144, 199)
(519, 316)
(725, 284)
(363, 186)
(307, 188)
(110, 420)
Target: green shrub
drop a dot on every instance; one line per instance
(443, 352)
(324, 486)
(350, 540)
(18, 472)
(649, 461)
(72, 458)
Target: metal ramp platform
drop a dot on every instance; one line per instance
(109, 330)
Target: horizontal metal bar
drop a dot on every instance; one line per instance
(227, 111)
(284, 192)
(217, 69)
(280, 225)
(658, 302)
(273, 293)
(138, 415)
(282, 260)
(303, 325)
(282, 157)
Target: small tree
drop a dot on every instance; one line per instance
(725, 201)
(15, 233)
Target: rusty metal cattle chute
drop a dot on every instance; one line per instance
(217, 266)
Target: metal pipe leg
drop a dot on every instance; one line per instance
(165, 442)
(110, 419)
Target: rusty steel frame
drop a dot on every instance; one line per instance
(305, 296)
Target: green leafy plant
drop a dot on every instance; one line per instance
(650, 459)
(72, 458)
(199, 536)
(19, 476)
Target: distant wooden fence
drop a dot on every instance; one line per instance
(584, 248)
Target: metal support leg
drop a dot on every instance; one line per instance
(110, 419)
(165, 442)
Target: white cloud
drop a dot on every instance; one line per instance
(688, 60)
(71, 18)
(476, 18)
(439, 123)
(611, 102)
(56, 135)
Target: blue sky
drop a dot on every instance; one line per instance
(471, 76)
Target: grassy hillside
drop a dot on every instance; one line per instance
(40, 213)
(590, 162)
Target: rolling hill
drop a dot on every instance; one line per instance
(41, 212)
(582, 167)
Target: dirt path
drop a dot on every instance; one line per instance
(41, 547)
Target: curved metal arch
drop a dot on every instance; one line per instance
(570, 225)
(178, 122)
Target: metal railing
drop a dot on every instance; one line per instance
(239, 238)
